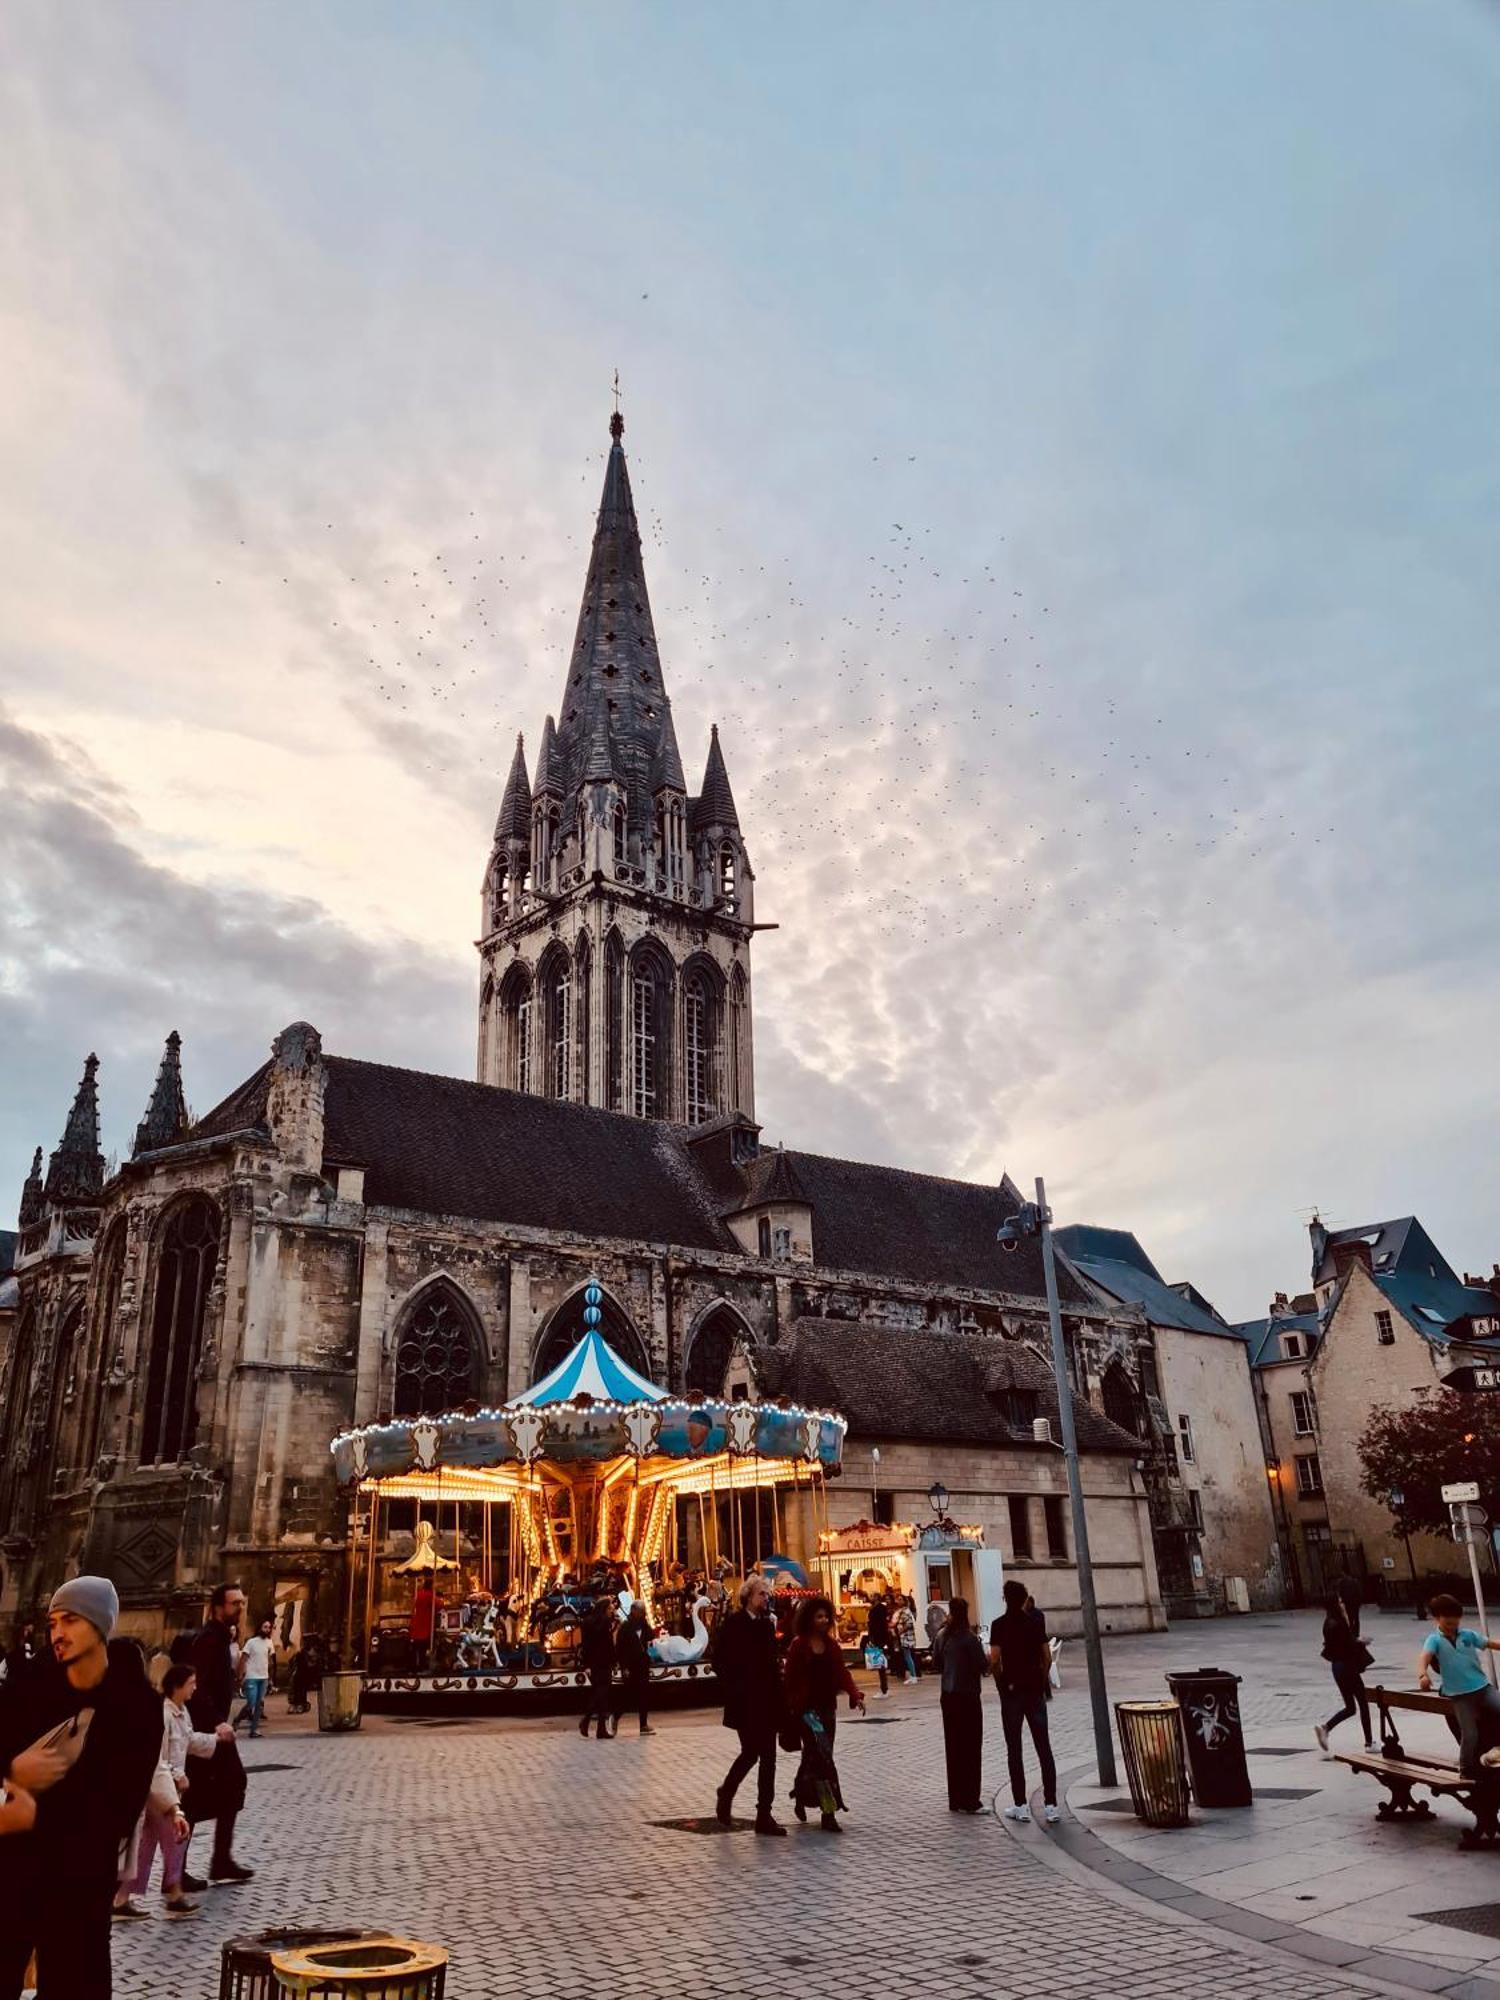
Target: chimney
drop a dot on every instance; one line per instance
(1347, 1255)
(294, 1101)
(1279, 1304)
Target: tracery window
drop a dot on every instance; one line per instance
(643, 1034)
(708, 1357)
(560, 1032)
(582, 994)
(566, 1330)
(700, 1011)
(614, 1024)
(435, 1357)
(186, 1259)
(621, 837)
(738, 1039)
(727, 878)
(523, 1042)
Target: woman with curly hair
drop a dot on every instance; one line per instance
(815, 1677)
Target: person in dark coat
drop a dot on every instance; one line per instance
(1021, 1659)
(216, 1785)
(57, 1880)
(596, 1655)
(1347, 1656)
(960, 1659)
(632, 1656)
(815, 1678)
(749, 1670)
(878, 1635)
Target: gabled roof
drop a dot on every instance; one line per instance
(1118, 1246)
(1263, 1336)
(1396, 1245)
(1163, 1306)
(950, 1387)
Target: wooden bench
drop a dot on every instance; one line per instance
(1400, 1773)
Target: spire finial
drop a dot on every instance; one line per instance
(617, 422)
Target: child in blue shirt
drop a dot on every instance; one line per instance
(1455, 1651)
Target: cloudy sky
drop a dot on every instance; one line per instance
(1067, 442)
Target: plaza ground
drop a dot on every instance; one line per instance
(544, 1864)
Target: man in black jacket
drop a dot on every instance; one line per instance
(633, 1657)
(216, 1785)
(57, 1882)
(749, 1670)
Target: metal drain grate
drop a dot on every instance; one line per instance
(1480, 1919)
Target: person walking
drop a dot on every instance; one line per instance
(633, 1657)
(1020, 1659)
(166, 1825)
(1347, 1656)
(904, 1632)
(959, 1658)
(255, 1674)
(596, 1655)
(815, 1677)
(1454, 1649)
(216, 1784)
(878, 1642)
(81, 1735)
(748, 1667)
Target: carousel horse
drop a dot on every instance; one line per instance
(477, 1645)
(674, 1651)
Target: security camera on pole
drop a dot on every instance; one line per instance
(1034, 1220)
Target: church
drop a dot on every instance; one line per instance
(342, 1240)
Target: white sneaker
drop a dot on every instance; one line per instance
(1020, 1814)
(1322, 1735)
(1051, 1815)
(882, 1694)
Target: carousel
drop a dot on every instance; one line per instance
(593, 1483)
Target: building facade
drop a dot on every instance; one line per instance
(339, 1240)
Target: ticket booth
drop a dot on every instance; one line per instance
(939, 1561)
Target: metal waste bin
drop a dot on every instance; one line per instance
(1151, 1734)
(245, 1962)
(1210, 1707)
(338, 1700)
(379, 1968)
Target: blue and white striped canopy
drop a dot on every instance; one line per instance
(593, 1368)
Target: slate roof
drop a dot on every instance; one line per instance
(714, 805)
(1413, 1273)
(1163, 1306)
(891, 1383)
(1118, 1246)
(444, 1146)
(1263, 1336)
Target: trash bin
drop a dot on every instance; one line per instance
(245, 1962)
(338, 1700)
(1151, 1733)
(1215, 1741)
(380, 1968)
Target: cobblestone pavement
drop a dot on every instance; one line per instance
(537, 1859)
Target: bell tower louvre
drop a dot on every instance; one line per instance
(617, 907)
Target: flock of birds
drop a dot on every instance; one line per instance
(914, 735)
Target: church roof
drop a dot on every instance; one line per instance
(714, 805)
(514, 819)
(890, 1382)
(443, 1146)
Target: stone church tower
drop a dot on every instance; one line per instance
(618, 908)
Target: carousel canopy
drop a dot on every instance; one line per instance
(593, 1369)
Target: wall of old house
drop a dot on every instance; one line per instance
(1207, 1378)
(980, 1484)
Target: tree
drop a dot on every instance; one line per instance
(1420, 1449)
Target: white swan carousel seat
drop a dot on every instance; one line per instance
(674, 1650)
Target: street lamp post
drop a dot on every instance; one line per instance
(937, 1499)
(1398, 1503)
(1035, 1220)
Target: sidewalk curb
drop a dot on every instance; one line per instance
(1073, 1849)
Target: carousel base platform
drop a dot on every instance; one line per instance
(554, 1691)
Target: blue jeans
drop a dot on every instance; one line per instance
(255, 1704)
(909, 1662)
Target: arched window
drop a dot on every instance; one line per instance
(565, 1330)
(496, 891)
(17, 1402)
(104, 1337)
(614, 1023)
(186, 1258)
(558, 990)
(435, 1356)
(517, 1028)
(622, 837)
(650, 1051)
(739, 1038)
(583, 975)
(700, 1006)
(1122, 1402)
(728, 890)
(709, 1352)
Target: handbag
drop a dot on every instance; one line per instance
(1363, 1658)
(875, 1657)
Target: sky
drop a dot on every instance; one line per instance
(1066, 445)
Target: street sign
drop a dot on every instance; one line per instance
(1487, 1378)
(1462, 1489)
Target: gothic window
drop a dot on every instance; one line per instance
(739, 1027)
(555, 987)
(18, 1399)
(104, 1340)
(497, 895)
(727, 890)
(566, 1330)
(582, 992)
(1122, 1404)
(523, 1041)
(614, 1023)
(517, 1029)
(708, 1356)
(644, 1027)
(435, 1356)
(701, 1031)
(186, 1258)
(621, 837)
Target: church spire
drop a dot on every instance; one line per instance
(547, 778)
(514, 821)
(31, 1193)
(166, 1115)
(715, 800)
(76, 1169)
(614, 690)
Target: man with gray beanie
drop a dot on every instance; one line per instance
(82, 1734)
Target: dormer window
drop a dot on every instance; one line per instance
(1291, 1346)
